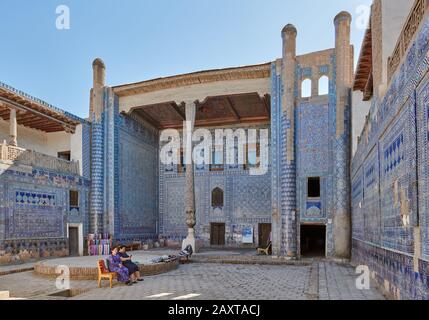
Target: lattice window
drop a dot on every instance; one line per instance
(217, 198)
(74, 200)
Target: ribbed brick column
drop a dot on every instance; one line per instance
(344, 79)
(97, 148)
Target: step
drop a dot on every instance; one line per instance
(4, 295)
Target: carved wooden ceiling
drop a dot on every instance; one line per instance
(33, 114)
(219, 110)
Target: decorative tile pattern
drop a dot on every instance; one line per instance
(34, 210)
(97, 175)
(247, 201)
(34, 199)
(390, 180)
(138, 167)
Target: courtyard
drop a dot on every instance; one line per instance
(260, 138)
(244, 278)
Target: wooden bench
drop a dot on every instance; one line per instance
(104, 273)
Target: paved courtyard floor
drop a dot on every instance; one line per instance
(320, 280)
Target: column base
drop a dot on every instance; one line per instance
(190, 240)
(13, 143)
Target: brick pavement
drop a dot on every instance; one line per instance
(213, 282)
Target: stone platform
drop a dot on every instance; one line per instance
(243, 256)
(85, 268)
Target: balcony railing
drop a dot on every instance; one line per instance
(410, 28)
(38, 160)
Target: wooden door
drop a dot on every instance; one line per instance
(217, 234)
(264, 234)
(73, 242)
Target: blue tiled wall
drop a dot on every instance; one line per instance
(247, 202)
(390, 181)
(138, 180)
(35, 210)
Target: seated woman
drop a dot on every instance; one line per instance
(115, 265)
(133, 269)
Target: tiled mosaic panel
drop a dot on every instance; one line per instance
(313, 140)
(97, 175)
(246, 202)
(423, 158)
(393, 127)
(251, 197)
(314, 153)
(174, 208)
(34, 215)
(396, 269)
(288, 198)
(398, 177)
(275, 157)
(111, 148)
(34, 209)
(138, 181)
(358, 216)
(370, 204)
(313, 209)
(34, 198)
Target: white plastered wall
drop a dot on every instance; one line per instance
(360, 110)
(394, 15)
(46, 143)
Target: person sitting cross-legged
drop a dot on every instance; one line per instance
(133, 269)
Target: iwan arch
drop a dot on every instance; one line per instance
(303, 200)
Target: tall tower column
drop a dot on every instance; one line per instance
(342, 144)
(97, 147)
(288, 170)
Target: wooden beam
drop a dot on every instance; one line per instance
(265, 101)
(30, 118)
(23, 107)
(36, 122)
(178, 111)
(232, 108)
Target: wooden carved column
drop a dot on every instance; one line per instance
(190, 184)
(13, 133)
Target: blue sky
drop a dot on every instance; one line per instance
(142, 39)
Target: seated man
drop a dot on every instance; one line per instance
(187, 252)
(133, 269)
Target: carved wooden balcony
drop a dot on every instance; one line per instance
(38, 160)
(411, 26)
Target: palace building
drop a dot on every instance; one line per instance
(303, 199)
(64, 177)
(347, 157)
